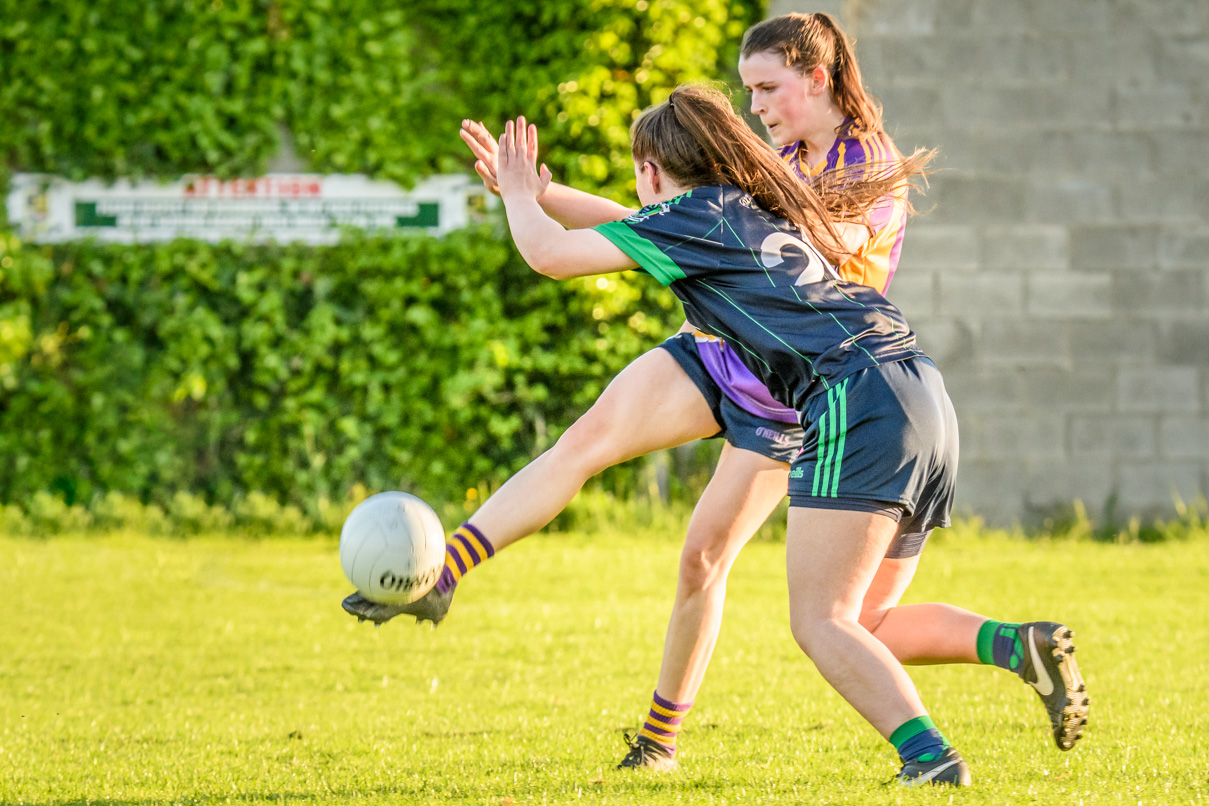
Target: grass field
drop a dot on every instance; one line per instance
(147, 671)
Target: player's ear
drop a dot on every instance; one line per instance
(817, 79)
(652, 174)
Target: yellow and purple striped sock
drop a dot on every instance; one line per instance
(466, 548)
(663, 722)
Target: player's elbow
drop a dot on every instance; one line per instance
(545, 269)
(550, 264)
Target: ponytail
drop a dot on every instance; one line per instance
(696, 138)
(847, 87)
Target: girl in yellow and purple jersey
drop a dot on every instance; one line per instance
(750, 252)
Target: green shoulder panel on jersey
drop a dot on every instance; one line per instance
(642, 251)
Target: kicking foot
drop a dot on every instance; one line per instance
(432, 606)
(947, 768)
(648, 754)
(1049, 667)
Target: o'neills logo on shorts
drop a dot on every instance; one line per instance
(775, 436)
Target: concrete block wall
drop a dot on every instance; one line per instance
(1060, 272)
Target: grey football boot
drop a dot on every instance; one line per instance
(432, 606)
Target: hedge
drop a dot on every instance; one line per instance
(193, 372)
(432, 365)
(112, 88)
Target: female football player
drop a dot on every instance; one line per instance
(749, 250)
(806, 87)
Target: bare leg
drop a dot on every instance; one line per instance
(940, 633)
(746, 487)
(652, 404)
(922, 633)
(832, 559)
(744, 490)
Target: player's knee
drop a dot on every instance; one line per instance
(872, 619)
(587, 446)
(806, 637)
(821, 628)
(699, 568)
(809, 631)
(707, 556)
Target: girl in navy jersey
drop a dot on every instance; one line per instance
(750, 251)
(805, 83)
(806, 87)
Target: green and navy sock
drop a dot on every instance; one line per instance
(999, 644)
(918, 740)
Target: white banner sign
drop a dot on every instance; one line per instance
(283, 207)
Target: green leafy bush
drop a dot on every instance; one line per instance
(190, 377)
(430, 365)
(259, 514)
(191, 515)
(13, 521)
(48, 514)
(116, 511)
(111, 88)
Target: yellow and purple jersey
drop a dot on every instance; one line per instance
(874, 263)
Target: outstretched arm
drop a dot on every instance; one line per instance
(572, 208)
(546, 245)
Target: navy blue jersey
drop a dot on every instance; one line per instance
(749, 277)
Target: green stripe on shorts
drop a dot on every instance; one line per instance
(821, 459)
(833, 428)
(842, 395)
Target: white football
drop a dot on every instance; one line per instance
(392, 548)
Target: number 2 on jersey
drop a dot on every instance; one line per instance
(813, 270)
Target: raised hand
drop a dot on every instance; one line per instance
(516, 171)
(484, 148)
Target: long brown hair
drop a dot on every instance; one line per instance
(696, 138)
(807, 41)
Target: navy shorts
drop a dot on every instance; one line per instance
(778, 441)
(884, 440)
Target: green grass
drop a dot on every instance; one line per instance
(147, 671)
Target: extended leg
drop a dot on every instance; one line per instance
(745, 489)
(1040, 653)
(833, 557)
(922, 633)
(650, 405)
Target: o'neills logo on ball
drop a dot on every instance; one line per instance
(400, 582)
